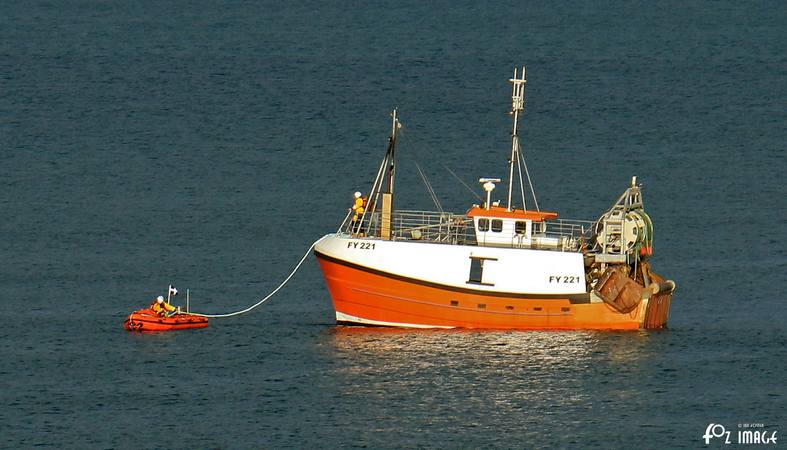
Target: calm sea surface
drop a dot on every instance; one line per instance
(208, 144)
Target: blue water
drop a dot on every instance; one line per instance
(208, 144)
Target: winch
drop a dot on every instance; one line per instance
(625, 231)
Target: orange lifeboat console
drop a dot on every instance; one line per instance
(147, 320)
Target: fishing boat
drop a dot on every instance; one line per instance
(149, 320)
(500, 266)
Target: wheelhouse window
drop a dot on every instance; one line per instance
(497, 225)
(520, 227)
(483, 224)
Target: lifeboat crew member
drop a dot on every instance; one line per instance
(358, 209)
(162, 308)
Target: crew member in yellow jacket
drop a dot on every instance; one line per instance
(162, 308)
(358, 209)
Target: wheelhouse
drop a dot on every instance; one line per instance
(499, 227)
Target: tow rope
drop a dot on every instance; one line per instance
(264, 299)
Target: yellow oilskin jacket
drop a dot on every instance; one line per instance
(358, 208)
(161, 308)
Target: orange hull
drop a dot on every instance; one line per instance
(363, 296)
(147, 320)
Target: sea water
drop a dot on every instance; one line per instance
(208, 144)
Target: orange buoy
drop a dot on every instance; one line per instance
(147, 320)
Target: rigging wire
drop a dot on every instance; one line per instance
(406, 141)
(264, 299)
(374, 193)
(529, 181)
(429, 188)
(521, 182)
(463, 183)
(433, 194)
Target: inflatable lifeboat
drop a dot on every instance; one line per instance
(147, 320)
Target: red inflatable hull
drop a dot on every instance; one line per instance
(147, 320)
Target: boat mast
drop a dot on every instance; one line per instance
(392, 149)
(380, 197)
(387, 171)
(517, 105)
(386, 208)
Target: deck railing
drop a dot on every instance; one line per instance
(432, 227)
(436, 227)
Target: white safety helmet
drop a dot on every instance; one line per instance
(160, 299)
(357, 195)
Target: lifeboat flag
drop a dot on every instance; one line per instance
(172, 291)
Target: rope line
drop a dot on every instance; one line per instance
(264, 299)
(529, 181)
(463, 183)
